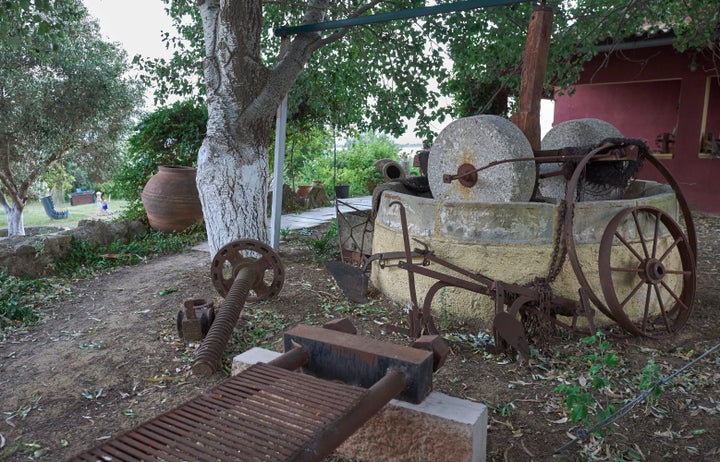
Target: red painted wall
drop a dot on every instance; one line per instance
(646, 92)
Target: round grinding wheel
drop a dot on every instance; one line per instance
(575, 133)
(474, 142)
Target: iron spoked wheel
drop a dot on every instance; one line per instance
(572, 185)
(269, 270)
(646, 265)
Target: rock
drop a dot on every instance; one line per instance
(574, 133)
(475, 142)
(32, 256)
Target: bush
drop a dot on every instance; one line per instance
(83, 259)
(168, 136)
(17, 300)
(354, 163)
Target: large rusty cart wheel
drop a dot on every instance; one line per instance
(689, 237)
(270, 272)
(644, 249)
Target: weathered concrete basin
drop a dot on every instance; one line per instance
(512, 242)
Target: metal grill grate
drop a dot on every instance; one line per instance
(266, 413)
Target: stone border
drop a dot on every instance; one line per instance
(32, 256)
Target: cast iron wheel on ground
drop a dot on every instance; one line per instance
(656, 268)
(237, 254)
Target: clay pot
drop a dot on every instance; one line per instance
(342, 191)
(304, 190)
(171, 199)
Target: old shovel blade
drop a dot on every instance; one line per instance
(511, 330)
(352, 281)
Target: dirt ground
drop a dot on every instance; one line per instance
(107, 357)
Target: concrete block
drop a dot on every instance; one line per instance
(252, 356)
(420, 212)
(501, 223)
(442, 427)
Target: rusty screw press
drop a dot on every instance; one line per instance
(243, 270)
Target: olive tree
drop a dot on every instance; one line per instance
(63, 95)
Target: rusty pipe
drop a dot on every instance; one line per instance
(292, 359)
(209, 356)
(377, 396)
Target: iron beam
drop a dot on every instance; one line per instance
(393, 16)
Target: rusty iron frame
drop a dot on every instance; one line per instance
(249, 261)
(517, 297)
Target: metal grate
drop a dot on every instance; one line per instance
(264, 414)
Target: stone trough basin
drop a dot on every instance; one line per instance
(513, 242)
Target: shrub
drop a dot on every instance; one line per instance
(17, 300)
(168, 136)
(354, 163)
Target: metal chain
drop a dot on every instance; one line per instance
(583, 434)
(557, 259)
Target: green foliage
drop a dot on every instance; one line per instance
(110, 190)
(65, 93)
(57, 177)
(169, 136)
(579, 399)
(378, 75)
(301, 146)
(373, 77)
(650, 375)
(17, 300)
(325, 245)
(257, 327)
(354, 163)
(83, 259)
(486, 45)
(134, 210)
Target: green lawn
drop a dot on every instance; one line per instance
(35, 215)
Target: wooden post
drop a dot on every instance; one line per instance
(534, 68)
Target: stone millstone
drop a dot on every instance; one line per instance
(478, 141)
(574, 133)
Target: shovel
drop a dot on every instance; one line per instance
(352, 281)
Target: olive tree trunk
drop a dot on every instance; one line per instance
(14, 215)
(242, 97)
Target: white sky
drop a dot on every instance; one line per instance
(135, 24)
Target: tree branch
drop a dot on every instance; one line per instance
(285, 73)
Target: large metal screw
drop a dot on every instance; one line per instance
(236, 272)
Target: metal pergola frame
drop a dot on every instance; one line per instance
(286, 31)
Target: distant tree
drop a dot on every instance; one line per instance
(63, 95)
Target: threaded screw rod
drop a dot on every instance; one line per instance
(209, 356)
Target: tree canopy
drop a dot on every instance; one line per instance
(486, 45)
(378, 76)
(372, 77)
(63, 95)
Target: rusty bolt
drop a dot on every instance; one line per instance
(437, 345)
